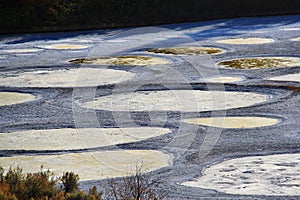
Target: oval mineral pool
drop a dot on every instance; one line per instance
(82, 77)
(246, 41)
(288, 77)
(223, 79)
(92, 165)
(296, 39)
(176, 100)
(234, 122)
(291, 29)
(21, 50)
(65, 46)
(83, 138)
(261, 62)
(131, 60)
(187, 50)
(10, 98)
(274, 175)
(117, 41)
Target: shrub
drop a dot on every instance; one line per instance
(80, 195)
(69, 181)
(43, 185)
(15, 185)
(137, 187)
(93, 192)
(15, 179)
(5, 194)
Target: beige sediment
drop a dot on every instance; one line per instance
(176, 100)
(92, 165)
(83, 138)
(223, 79)
(234, 122)
(21, 50)
(81, 77)
(65, 46)
(288, 77)
(291, 29)
(10, 98)
(296, 39)
(246, 41)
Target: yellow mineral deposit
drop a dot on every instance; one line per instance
(187, 50)
(82, 77)
(246, 41)
(10, 98)
(176, 100)
(261, 62)
(65, 46)
(92, 165)
(68, 138)
(274, 175)
(234, 122)
(288, 77)
(133, 60)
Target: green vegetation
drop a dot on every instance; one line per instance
(15, 185)
(255, 63)
(43, 185)
(57, 15)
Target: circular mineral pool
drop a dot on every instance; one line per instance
(288, 77)
(92, 165)
(296, 39)
(68, 138)
(274, 175)
(65, 46)
(176, 100)
(117, 41)
(187, 50)
(291, 29)
(21, 50)
(82, 77)
(234, 122)
(123, 60)
(261, 62)
(223, 79)
(246, 41)
(10, 98)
